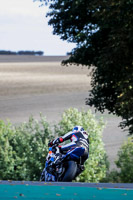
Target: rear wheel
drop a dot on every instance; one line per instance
(71, 170)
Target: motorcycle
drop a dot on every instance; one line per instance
(62, 167)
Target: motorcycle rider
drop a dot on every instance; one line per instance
(79, 138)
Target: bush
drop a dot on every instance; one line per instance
(111, 177)
(125, 161)
(96, 165)
(23, 149)
(7, 154)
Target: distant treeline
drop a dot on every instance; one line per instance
(35, 53)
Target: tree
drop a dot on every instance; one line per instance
(23, 149)
(124, 163)
(33, 53)
(102, 31)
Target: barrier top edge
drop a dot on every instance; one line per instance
(72, 184)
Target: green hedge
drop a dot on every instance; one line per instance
(23, 149)
(125, 161)
(124, 164)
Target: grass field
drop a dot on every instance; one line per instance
(41, 78)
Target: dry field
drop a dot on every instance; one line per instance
(41, 78)
(28, 88)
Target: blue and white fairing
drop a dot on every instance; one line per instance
(50, 158)
(75, 153)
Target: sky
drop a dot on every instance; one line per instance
(24, 26)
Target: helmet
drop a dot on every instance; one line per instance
(77, 129)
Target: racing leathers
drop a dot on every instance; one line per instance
(78, 139)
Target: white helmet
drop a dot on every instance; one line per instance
(77, 129)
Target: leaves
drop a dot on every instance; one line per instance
(23, 149)
(102, 31)
(125, 161)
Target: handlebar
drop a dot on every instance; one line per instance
(53, 148)
(54, 145)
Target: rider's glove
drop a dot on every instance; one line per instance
(50, 144)
(56, 141)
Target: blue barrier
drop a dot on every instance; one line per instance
(11, 190)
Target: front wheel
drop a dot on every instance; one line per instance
(42, 178)
(71, 171)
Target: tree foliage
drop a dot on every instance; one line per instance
(102, 31)
(23, 149)
(31, 53)
(124, 163)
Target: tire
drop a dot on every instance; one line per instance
(71, 171)
(42, 178)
